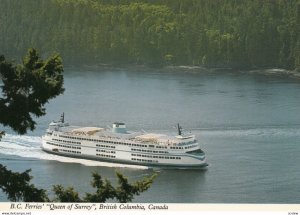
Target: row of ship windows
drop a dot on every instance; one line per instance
(161, 147)
(113, 147)
(70, 151)
(101, 150)
(188, 147)
(107, 156)
(142, 150)
(142, 160)
(65, 141)
(70, 147)
(80, 138)
(120, 143)
(173, 147)
(103, 141)
(154, 156)
(188, 143)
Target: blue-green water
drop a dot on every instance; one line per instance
(248, 123)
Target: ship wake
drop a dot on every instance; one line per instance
(30, 147)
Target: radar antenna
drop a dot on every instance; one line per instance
(179, 128)
(62, 118)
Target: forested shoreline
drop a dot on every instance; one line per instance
(211, 33)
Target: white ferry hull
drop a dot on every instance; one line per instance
(185, 162)
(94, 158)
(120, 146)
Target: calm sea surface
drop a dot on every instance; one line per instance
(248, 123)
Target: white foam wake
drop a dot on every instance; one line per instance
(30, 147)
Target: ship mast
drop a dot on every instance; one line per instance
(179, 128)
(62, 118)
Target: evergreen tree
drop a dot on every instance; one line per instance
(26, 88)
(229, 33)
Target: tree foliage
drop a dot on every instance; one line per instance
(228, 33)
(27, 87)
(17, 187)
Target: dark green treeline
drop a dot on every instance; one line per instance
(218, 33)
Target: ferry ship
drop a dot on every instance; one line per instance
(120, 146)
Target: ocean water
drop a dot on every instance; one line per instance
(248, 123)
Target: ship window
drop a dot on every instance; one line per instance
(196, 152)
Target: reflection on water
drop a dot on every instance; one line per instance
(247, 123)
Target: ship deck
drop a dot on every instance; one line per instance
(142, 137)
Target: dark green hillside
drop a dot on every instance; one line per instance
(226, 33)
